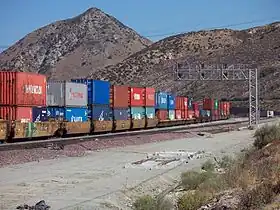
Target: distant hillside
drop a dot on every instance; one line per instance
(74, 47)
(153, 65)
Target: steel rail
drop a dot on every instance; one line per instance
(75, 140)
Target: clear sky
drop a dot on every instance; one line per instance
(152, 18)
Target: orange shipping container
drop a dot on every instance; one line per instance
(23, 89)
(179, 102)
(119, 97)
(150, 96)
(178, 114)
(136, 96)
(23, 114)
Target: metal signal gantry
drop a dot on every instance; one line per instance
(186, 72)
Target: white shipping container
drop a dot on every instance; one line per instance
(62, 93)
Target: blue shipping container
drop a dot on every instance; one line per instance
(98, 91)
(121, 114)
(101, 113)
(76, 114)
(171, 102)
(204, 113)
(55, 112)
(150, 112)
(161, 100)
(138, 113)
(39, 114)
(71, 114)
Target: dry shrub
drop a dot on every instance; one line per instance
(208, 166)
(192, 179)
(258, 196)
(192, 200)
(266, 135)
(145, 202)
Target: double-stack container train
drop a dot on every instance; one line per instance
(32, 107)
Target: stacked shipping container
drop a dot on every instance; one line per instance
(98, 101)
(161, 105)
(181, 110)
(22, 95)
(67, 100)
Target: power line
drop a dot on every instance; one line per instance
(211, 28)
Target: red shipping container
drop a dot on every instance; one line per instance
(119, 97)
(162, 114)
(136, 96)
(23, 114)
(179, 102)
(195, 106)
(227, 108)
(185, 103)
(208, 104)
(184, 114)
(150, 97)
(178, 114)
(190, 114)
(22, 88)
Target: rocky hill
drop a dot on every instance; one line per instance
(153, 65)
(73, 47)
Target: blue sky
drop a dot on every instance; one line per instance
(153, 18)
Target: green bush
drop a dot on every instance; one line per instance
(145, 202)
(192, 179)
(266, 134)
(192, 201)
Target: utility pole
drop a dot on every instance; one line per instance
(223, 72)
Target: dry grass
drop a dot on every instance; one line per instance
(254, 174)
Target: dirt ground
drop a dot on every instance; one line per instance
(109, 179)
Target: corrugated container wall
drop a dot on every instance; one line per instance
(101, 113)
(22, 89)
(161, 100)
(178, 114)
(56, 112)
(137, 113)
(23, 114)
(137, 96)
(180, 102)
(98, 91)
(39, 114)
(162, 114)
(150, 112)
(150, 97)
(119, 96)
(171, 102)
(63, 93)
(185, 103)
(121, 114)
(75, 114)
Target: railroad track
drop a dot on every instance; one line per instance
(218, 125)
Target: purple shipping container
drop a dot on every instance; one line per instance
(39, 114)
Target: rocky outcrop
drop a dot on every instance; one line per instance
(153, 65)
(74, 47)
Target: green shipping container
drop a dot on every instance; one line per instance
(216, 104)
(137, 113)
(150, 112)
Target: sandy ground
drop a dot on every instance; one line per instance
(108, 179)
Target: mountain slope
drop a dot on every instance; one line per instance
(153, 65)
(73, 47)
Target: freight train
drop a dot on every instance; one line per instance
(32, 107)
